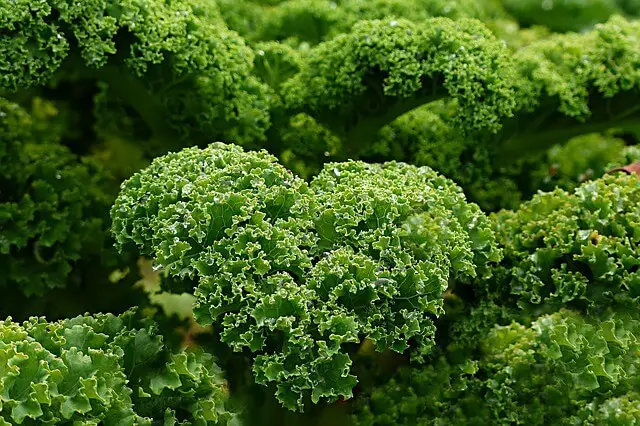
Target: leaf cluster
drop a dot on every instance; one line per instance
(103, 369)
(294, 272)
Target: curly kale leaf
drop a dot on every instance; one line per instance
(186, 76)
(561, 369)
(360, 81)
(294, 273)
(301, 22)
(574, 84)
(577, 248)
(52, 205)
(426, 137)
(581, 159)
(548, 372)
(103, 369)
(215, 212)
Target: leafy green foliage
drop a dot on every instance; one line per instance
(174, 64)
(52, 205)
(410, 226)
(360, 81)
(292, 272)
(574, 84)
(177, 209)
(582, 358)
(581, 159)
(562, 369)
(309, 145)
(543, 94)
(103, 369)
(298, 22)
(579, 248)
(425, 137)
(275, 63)
(329, 239)
(519, 356)
(566, 15)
